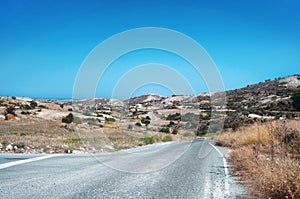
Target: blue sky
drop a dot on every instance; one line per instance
(43, 43)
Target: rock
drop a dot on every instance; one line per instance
(69, 151)
(77, 152)
(109, 147)
(1, 146)
(9, 147)
(2, 117)
(10, 117)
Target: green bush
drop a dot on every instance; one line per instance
(149, 140)
(167, 138)
(73, 140)
(164, 130)
(110, 119)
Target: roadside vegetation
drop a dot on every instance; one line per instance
(266, 157)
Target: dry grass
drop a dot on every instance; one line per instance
(266, 158)
(265, 178)
(34, 132)
(254, 134)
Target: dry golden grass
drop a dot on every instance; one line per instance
(252, 135)
(37, 131)
(266, 158)
(265, 178)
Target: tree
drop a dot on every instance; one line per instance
(296, 100)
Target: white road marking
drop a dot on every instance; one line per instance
(227, 192)
(10, 164)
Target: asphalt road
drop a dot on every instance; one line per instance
(171, 170)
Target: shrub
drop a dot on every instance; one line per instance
(171, 124)
(87, 113)
(138, 124)
(25, 113)
(68, 119)
(129, 127)
(164, 130)
(235, 126)
(149, 140)
(145, 121)
(93, 121)
(21, 145)
(10, 110)
(33, 104)
(73, 140)
(167, 138)
(42, 106)
(175, 116)
(110, 119)
(175, 131)
(296, 100)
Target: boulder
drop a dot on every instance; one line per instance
(9, 147)
(10, 117)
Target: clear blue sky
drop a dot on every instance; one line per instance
(44, 42)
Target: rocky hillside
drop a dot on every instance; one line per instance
(28, 125)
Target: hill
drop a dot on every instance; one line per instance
(28, 125)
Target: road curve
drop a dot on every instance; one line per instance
(171, 170)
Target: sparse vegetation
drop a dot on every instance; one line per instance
(268, 99)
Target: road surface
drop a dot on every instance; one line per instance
(170, 170)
